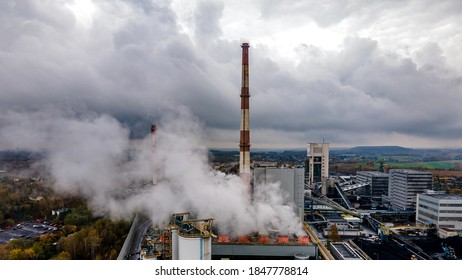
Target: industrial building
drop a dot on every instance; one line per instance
(347, 225)
(377, 183)
(404, 185)
(183, 239)
(191, 239)
(271, 246)
(317, 165)
(442, 210)
(292, 182)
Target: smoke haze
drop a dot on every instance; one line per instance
(92, 155)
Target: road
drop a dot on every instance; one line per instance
(135, 243)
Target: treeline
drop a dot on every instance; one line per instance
(100, 240)
(27, 199)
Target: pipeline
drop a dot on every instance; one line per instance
(322, 249)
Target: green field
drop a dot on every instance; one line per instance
(445, 165)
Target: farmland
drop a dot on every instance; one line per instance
(431, 165)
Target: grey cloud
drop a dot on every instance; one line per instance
(362, 90)
(207, 16)
(134, 63)
(323, 13)
(92, 156)
(136, 67)
(61, 82)
(363, 13)
(430, 56)
(50, 14)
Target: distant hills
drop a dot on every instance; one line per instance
(22, 155)
(376, 150)
(355, 151)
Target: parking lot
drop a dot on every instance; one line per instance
(25, 230)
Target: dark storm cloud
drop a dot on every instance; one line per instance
(131, 62)
(134, 61)
(361, 89)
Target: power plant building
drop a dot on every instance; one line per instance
(190, 239)
(182, 239)
(264, 247)
(292, 181)
(196, 239)
(378, 183)
(404, 185)
(442, 210)
(317, 168)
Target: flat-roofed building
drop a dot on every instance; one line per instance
(442, 210)
(378, 183)
(317, 162)
(404, 185)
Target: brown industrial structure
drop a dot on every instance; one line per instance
(185, 238)
(256, 246)
(244, 161)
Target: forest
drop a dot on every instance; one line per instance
(80, 234)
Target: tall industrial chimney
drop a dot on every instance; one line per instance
(153, 159)
(244, 161)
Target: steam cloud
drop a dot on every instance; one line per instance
(94, 156)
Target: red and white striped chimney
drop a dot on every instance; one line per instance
(244, 145)
(153, 159)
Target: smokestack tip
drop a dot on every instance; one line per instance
(153, 128)
(245, 45)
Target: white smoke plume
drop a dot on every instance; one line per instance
(93, 155)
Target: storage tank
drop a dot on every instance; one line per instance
(194, 247)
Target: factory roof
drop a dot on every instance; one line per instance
(267, 240)
(373, 173)
(411, 171)
(351, 218)
(444, 196)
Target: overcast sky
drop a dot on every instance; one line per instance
(349, 72)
